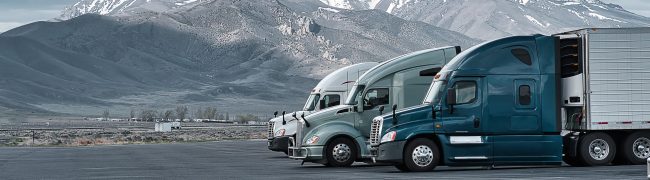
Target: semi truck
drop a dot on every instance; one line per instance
(336, 136)
(581, 97)
(327, 93)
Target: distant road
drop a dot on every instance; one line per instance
(243, 160)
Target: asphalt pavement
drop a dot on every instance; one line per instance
(244, 160)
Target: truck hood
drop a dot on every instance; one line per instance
(406, 115)
(322, 116)
(290, 127)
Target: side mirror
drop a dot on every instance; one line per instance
(451, 99)
(283, 121)
(322, 104)
(275, 114)
(381, 110)
(451, 96)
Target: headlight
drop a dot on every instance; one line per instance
(312, 140)
(388, 137)
(279, 132)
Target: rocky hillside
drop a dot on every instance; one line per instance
(239, 55)
(490, 19)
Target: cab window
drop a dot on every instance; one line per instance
(330, 100)
(375, 97)
(465, 92)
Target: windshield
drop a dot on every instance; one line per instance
(355, 95)
(433, 96)
(311, 102)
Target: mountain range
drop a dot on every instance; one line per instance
(491, 19)
(245, 56)
(242, 56)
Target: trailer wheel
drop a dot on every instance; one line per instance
(341, 152)
(421, 155)
(597, 149)
(636, 148)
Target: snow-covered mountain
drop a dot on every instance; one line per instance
(489, 19)
(240, 56)
(115, 7)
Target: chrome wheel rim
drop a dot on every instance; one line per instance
(341, 152)
(422, 155)
(598, 149)
(641, 148)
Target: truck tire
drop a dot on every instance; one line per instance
(636, 148)
(596, 149)
(341, 152)
(421, 155)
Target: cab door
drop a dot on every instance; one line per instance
(464, 137)
(372, 100)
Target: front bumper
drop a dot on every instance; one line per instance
(305, 153)
(390, 152)
(280, 144)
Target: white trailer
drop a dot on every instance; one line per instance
(606, 91)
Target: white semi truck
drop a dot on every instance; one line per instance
(327, 93)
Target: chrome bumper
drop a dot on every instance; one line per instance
(296, 152)
(305, 153)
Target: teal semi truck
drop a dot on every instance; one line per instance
(336, 136)
(581, 96)
(329, 92)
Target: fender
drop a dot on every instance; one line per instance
(328, 130)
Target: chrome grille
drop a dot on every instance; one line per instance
(270, 130)
(375, 131)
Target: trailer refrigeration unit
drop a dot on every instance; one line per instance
(330, 91)
(336, 136)
(581, 96)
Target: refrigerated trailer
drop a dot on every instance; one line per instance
(330, 91)
(581, 96)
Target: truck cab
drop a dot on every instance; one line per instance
(329, 92)
(493, 104)
(336, 136)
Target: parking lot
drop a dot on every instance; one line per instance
(244, 160)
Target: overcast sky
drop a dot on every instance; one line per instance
(14, 13)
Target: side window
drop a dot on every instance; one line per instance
(524, 95)
(522, 55)
(375, 97)
(465, 92)
(331, 100)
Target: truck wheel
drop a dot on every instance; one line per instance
(636, 148)
(341, 152)
(421, 155)
(597, 149)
